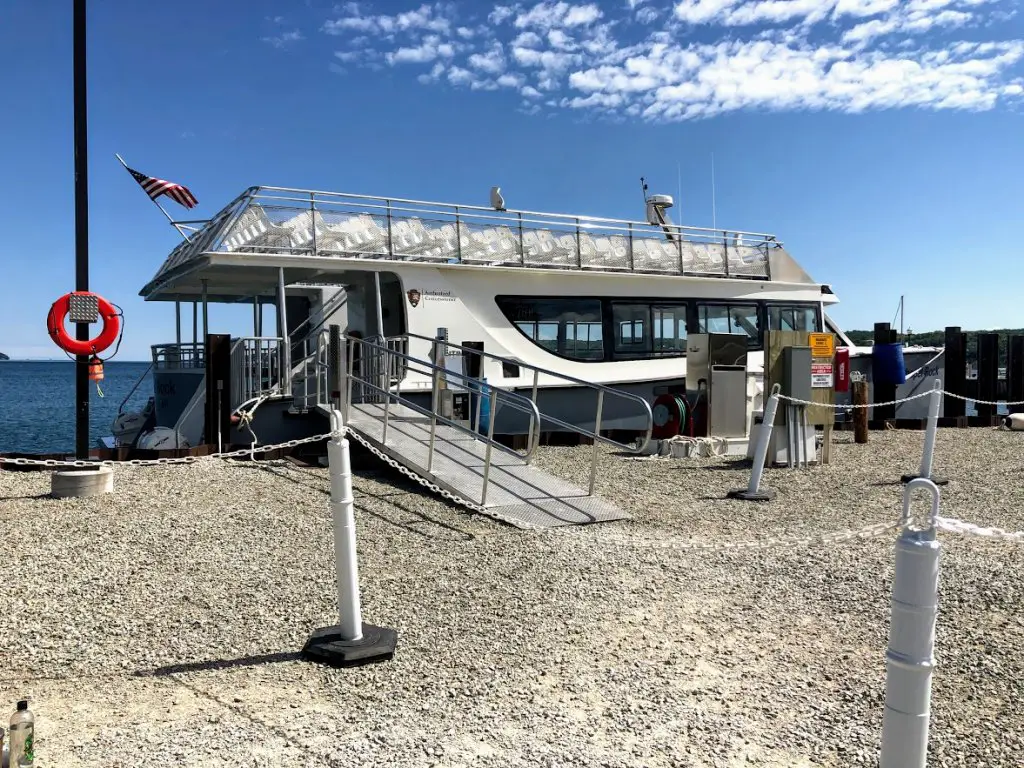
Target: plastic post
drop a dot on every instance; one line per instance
(910, 657)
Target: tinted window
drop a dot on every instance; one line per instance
(730, 318)
(632, 329)
(793, 318)
(568, 327)
(669, 329)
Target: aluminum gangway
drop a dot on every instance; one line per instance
(470, 465)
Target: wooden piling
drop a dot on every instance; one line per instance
(1015, 373)
(988, 373)
(859, 397)
(884, 392)
(956, 372)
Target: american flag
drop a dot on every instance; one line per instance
(155, 187)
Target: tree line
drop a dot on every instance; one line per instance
(938, 339)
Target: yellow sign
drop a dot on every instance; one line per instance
(822, 345)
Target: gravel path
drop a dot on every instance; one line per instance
(158, 626)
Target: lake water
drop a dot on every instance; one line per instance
(37, 403)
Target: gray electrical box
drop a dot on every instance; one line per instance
(728, 401)
(796, 372)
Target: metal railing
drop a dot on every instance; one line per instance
(370, 348)
(256, 367)
(601, 390)
(176, 356)
(290, 221)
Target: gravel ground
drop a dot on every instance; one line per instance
(158, 626)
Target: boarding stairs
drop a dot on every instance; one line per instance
(466, 464)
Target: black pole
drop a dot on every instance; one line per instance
(81, 230)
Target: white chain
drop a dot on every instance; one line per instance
(421, 480)
(985, 402)
(953, 525)
(844, 406)
(81, 463)
(867, 532)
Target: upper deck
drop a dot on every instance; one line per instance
(291, 222)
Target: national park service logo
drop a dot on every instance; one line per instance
(414, 297)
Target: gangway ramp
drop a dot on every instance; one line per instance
(517, 493)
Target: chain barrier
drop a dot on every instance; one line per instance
(984, 402)
(85, 464)
(953, 525)
(844, 406)
(412, 475)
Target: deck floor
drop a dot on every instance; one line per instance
(517, 493)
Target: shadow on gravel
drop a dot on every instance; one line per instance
(404, 487)
(206, 666)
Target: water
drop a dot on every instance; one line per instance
(37, 403)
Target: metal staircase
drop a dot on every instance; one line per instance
(466, 464)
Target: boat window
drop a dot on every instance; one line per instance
(669, 329)
(570, 328)
(793, 317)
(730, 318)
(632, 329)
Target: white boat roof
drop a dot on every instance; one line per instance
(268, 227)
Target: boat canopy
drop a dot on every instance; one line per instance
(239, 251)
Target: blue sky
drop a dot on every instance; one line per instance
(882, 141)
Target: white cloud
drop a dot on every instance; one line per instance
(837, 55)
(491, 62)
(284, 39)
(545, 15)
(431, 48)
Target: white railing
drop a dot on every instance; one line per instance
(256, 367)
(176, 356)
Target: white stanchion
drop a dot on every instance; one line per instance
(910, 657)
(343, 514)
(754, 492)
(930, 433)
(350, 641)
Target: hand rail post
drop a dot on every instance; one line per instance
(522, 245)
(387, 402)
(312, 218)
(631, 261)
(597, 431)
(579, 247)
(490, 447)
(458, 235)
(433, 417)
(391, 247)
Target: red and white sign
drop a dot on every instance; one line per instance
(821, 375)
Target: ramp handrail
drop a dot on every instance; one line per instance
(513, 399)
(537, 371)
(601, 390)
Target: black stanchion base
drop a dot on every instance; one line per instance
(762, 494)
(935, 479)
(325, 646)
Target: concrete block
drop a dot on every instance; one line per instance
(82, 482)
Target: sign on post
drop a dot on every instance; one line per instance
(822, 345)
(821, 375)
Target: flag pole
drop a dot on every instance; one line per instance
(164, 212)
(81, 151)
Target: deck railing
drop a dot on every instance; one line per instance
(176, 356)
(256, 367)
(298, 222)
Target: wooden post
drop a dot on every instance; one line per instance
(1015, 373)
(988, 373)
(826, 443)
(859, 397)
(956, 372)
(884, 392)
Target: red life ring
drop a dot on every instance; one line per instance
(55, 326)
